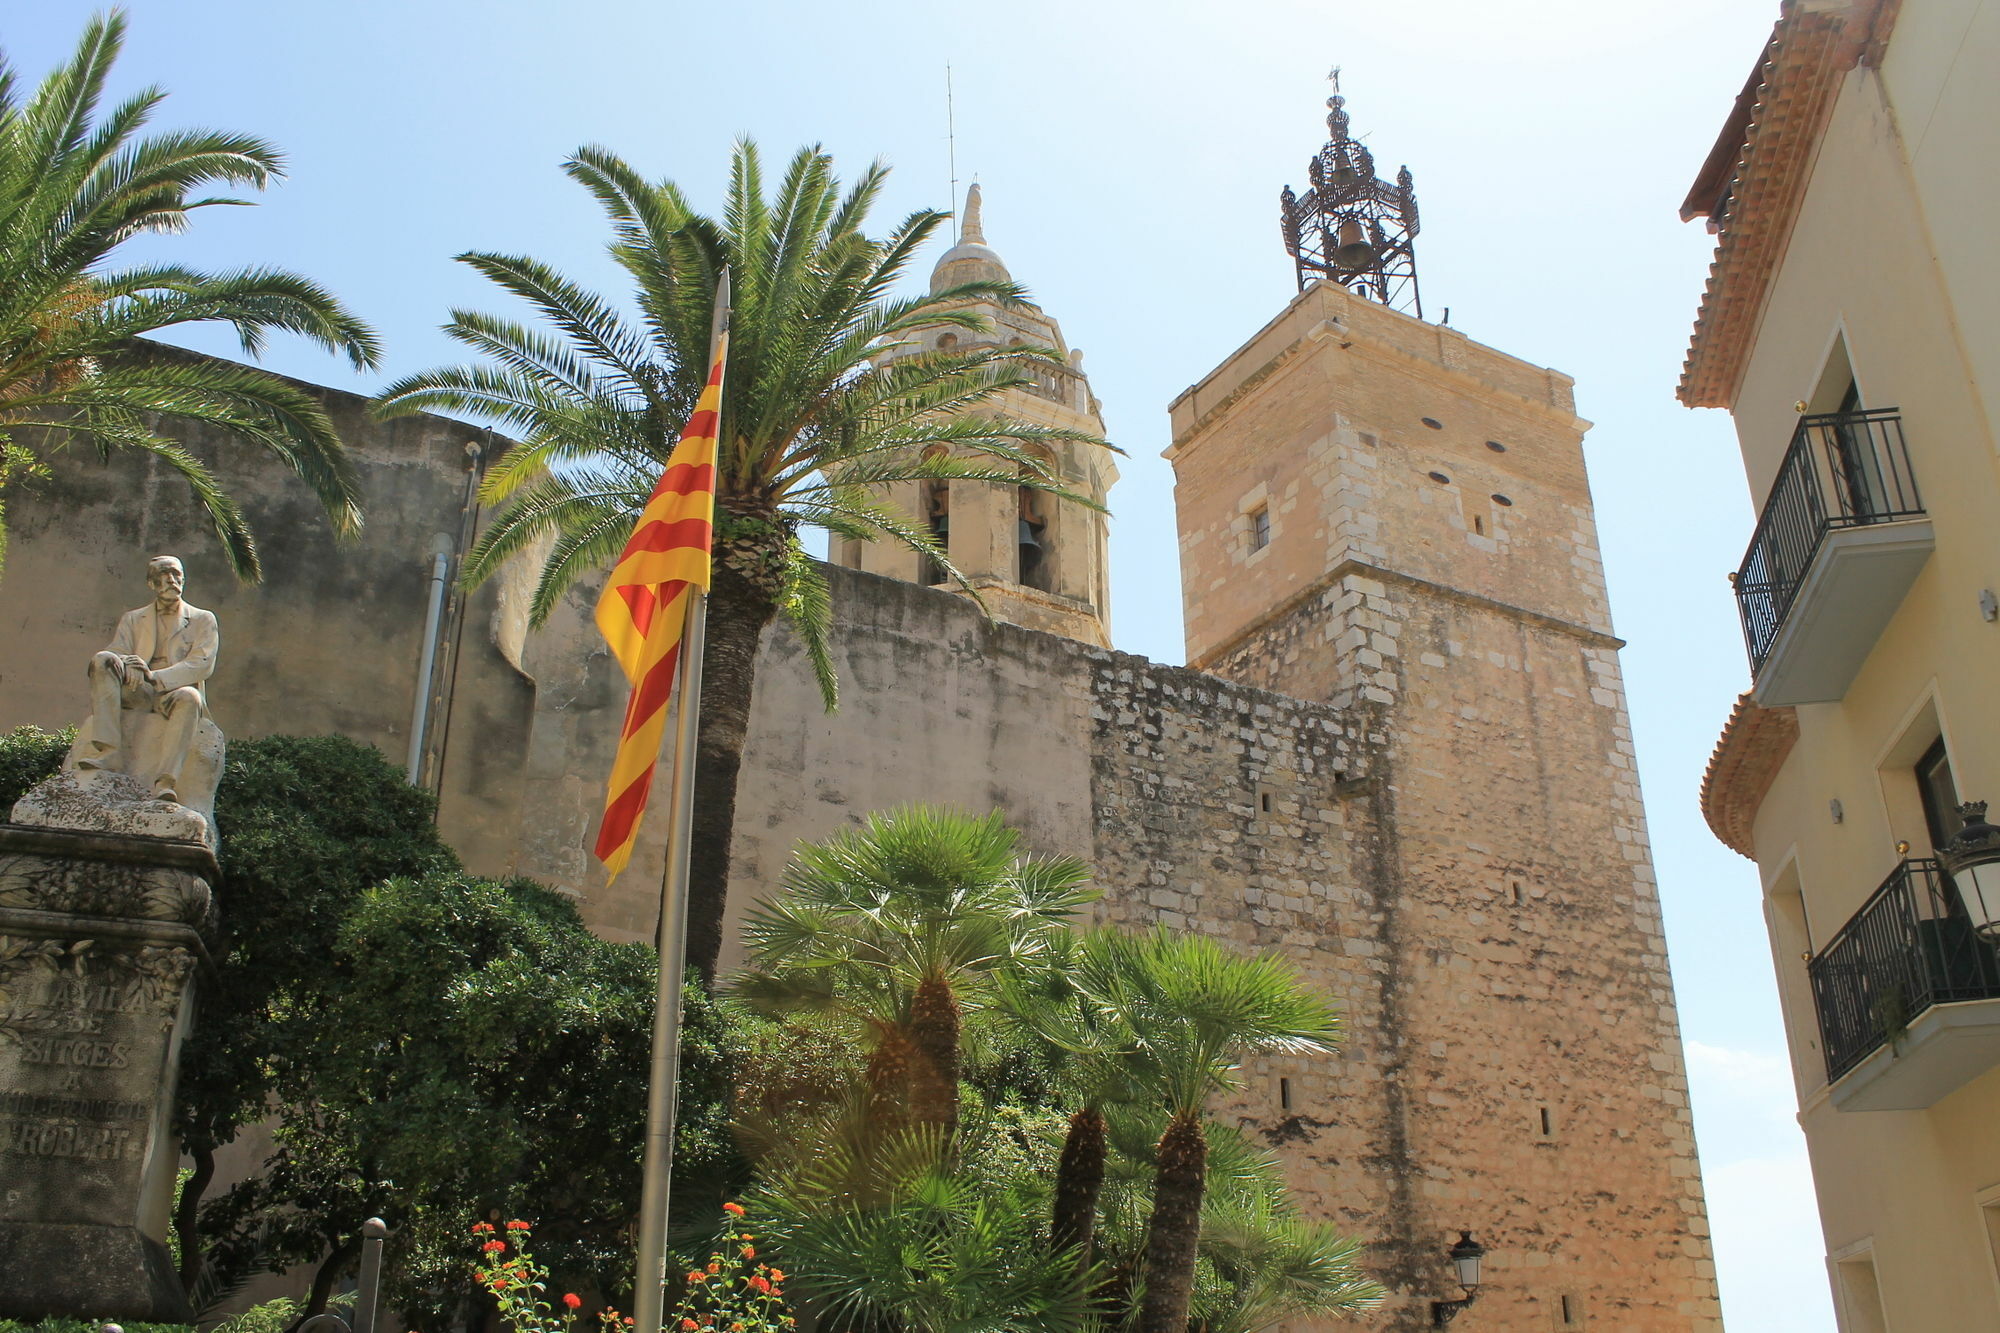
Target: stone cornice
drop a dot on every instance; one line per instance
(1555, 624)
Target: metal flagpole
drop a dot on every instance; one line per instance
(648, 1296)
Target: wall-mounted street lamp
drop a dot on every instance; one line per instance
(1971, 857)
(1465, 1257)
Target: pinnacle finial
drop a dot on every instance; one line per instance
(970, 229)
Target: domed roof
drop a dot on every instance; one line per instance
(971, 260)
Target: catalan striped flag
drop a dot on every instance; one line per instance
(643, 612)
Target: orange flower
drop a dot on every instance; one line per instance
(572, 1300)
(777, 1275)
(482, 1228)
(749, 1253)
(689, 1325)
(697, 1276)
(760, 1284)
(715, 1265)
(733, 1208)
(494, 1246)
(517, 1226)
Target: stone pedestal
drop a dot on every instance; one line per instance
(100, 936)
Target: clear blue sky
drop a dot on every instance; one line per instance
(1131, 156)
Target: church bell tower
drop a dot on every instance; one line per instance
(1034, 560)
(1381, 514)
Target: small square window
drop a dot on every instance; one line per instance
(1260, 528)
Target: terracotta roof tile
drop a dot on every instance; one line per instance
(1746, 761)
(1810, 51)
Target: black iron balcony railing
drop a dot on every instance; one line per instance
(1909, 947)
(1843, 470)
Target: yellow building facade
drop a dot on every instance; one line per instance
(1851, 326)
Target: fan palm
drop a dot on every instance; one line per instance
(73, 188)
(890, 924)
(937, 1250)
(1190, 1011)
(815, 421)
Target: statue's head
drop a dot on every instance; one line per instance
(165, 576)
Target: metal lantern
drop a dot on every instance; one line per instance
(1465, 1257)
(1972, 858)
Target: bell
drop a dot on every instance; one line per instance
(1354, 251)
(1031, 534)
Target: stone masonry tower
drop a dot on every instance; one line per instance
(1382, 515)
(1034, 560)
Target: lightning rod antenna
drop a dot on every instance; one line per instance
(951, 149)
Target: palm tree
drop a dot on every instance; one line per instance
(1190, 1011)
(73, 366)
(892, 924)
(1082, 1044)
(814, 424)
(936, 1250)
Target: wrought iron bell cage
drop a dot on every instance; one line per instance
(1351, 226)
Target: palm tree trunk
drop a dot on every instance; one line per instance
(934, 1022)
(1178, 1177)
(739, 608)
(886, 1078)
(1079, 1176)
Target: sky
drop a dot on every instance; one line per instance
(1130, 156)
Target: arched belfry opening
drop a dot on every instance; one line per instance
(1351, 226)
(936, 496)
(1033, 537)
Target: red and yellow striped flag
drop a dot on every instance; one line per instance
(644, 610)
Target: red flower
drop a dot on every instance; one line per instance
(733, 1208)
(482, 1228)
(494, 1246)
(689, 1325)
(572, 1300)
(697, 1277)
(749, 1253)
(517, 1225)
(760, 1284)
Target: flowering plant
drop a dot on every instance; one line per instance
(507, 1269)
(733, 1293)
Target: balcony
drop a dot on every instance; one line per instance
(1838, 544)
(1908, 996)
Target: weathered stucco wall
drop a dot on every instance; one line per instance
(330, 641)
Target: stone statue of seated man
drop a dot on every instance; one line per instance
(148, 759)
(156, 663)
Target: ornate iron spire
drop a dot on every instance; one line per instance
(1352, 227)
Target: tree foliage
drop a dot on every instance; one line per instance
(74, 187)
(815, 422)
(971, 1224)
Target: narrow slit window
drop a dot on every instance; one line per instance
(1568, 1312)
(1478, 526)
(1284, 1094)
(1260, 528)
(1264, 801)
(1547, 1128)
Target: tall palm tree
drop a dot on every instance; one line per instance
(73, 366)
(892, 924)
(1190, 1011)
(814, 425)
